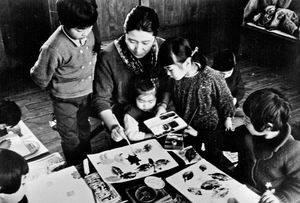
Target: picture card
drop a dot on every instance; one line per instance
(129, 163)
(173, 141)
(203, 182)
(188, 155)
(165, 123)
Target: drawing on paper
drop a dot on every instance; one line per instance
(203, 182)
(119, 165)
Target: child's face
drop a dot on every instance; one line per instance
(139, 42)
(177, 70)
(146, 102)
(266, 131)
(79, 33)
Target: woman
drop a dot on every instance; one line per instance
(133, 55)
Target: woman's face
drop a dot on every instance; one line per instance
(139, 42)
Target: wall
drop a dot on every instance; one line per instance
(26, 24)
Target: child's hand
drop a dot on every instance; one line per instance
(5, 144)
(160, 109)
(131, 127)
(269, 197)
(234, 101)
(228, 124)
(190, 131)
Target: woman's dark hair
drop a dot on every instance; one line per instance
(180, 47)
(267, 105)
(12, 167)
(142, 18)
(224, 60)
(10, 113)
(77, 13)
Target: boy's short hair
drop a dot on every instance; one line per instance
(267, 105)
(143, 85)
(224, 60)
(12, 167)
(10, 113)
(77, 13)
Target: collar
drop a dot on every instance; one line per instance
(75, 41)
(132, 63)
(264, 149)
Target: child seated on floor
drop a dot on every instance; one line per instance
(268, 153)
(10, 115)
(225, 62)
(13, 171)
(143, 109)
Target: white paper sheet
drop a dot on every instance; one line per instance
(29, 138)
(64, 186)
(104, 162)
(16, 144)
(189, 182)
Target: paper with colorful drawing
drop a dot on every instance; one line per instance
(121, 165)
(203, 182)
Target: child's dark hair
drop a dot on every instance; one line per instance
(142, 18)
(77, 13)
(267, 105)
(143, 85)
(10, 113)
(180, 47)
(12, 167)
(224, 60)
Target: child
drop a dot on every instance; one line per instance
(225, 62)
(13, 171)
(267, 151)
(66, 68)
(144, 108)
(10, 115)
(200, 94)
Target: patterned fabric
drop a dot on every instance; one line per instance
(132, 63)
(208, 91)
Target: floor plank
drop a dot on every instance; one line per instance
(37, 107)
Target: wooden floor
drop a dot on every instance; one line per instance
(36, 105)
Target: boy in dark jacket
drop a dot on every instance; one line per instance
(268, 154)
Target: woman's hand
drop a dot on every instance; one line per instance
(190, 131)
(228, 124)
(117, 133)
(269, 197)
